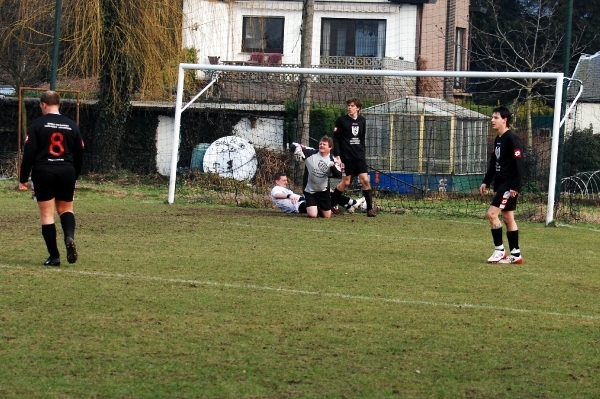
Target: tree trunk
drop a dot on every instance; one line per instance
(116, 84)
(304, 94)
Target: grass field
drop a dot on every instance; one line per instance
(198, 301)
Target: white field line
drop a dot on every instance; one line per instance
(254, 287)
(570, 226)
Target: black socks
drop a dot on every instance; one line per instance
(368, 194)
(497, 236)
(67, 220)
(513, 242)
(49, 234)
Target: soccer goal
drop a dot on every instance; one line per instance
(428, 132)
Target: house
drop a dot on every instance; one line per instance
(586, 112)
(366, 34)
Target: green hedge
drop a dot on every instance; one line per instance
(581, 152)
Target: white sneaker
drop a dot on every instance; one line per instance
(512, 259)
(497, 256)
(357, 204)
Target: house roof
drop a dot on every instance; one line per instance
(423, 105)
(588, 72)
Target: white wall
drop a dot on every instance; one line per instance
(164, 144)
(582, 116)
(214, 28)
(266, 133)
(206, 27)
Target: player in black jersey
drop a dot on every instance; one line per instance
(506, 168)
(53, 155)
(349, 150)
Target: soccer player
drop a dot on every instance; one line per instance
(506, 169)
(349, 151)
(290, 202)
(286, 199)
(319, 166)
(53, 155)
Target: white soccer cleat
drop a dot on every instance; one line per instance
(497, 256)
(357, 204)
(512, 259)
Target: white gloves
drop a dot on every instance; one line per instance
(330, 164)
(298, 154)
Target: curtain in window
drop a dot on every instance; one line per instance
(340, 48)
(252, 34)
(381, 39)
(264, 34)
(366, 42)
(325, 37)
(353, 38)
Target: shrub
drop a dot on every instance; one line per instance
(581, 152)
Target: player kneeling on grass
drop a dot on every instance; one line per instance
(290, 202)
(506, 168)
(319, 166)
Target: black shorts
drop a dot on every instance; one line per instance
(322, 200)
(509, 205)
(355, 167)
(53, 182)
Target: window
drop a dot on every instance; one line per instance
(459, 55)
(262, 34)
(353, 37)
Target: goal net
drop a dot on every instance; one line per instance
(427, 147)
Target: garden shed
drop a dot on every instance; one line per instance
(421, 137)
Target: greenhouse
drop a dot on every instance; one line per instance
(426, 143)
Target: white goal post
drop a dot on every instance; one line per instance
(557, 77)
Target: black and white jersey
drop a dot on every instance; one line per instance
(52, 140)
(506, 165)
(349, 138)
(317, 171)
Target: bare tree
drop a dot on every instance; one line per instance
(151, 32)
(132, 47)
(519, 35)
(25, 41)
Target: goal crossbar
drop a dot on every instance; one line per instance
(558, 77)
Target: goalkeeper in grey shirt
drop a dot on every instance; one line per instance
(319, 166)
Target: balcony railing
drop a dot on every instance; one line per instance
(385, 63)
(335, 62)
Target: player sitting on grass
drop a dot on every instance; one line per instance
(289, 202)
